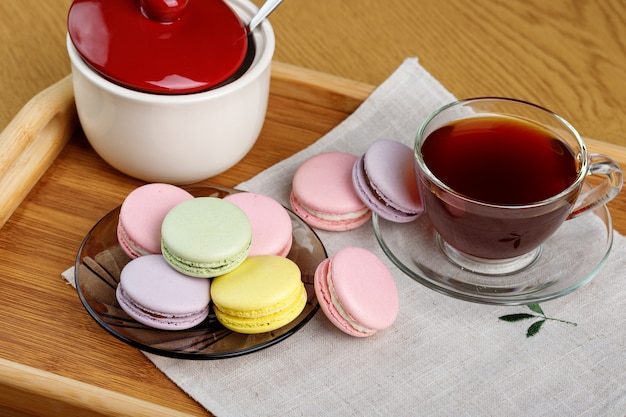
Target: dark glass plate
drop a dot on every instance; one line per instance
(100, 261)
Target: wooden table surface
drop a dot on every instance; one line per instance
(568, 55)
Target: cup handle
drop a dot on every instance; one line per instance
(601, 166)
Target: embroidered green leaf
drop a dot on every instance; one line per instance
(536, 308)
(534, 328)
(517, 317)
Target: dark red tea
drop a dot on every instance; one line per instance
(500, 160)
(504, 162)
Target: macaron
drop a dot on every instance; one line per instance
(141, 215)
(205, 237)
(263, 294)
(385, 180)
(357, 292)
(323, 195)
(271, 225)
(154, 294)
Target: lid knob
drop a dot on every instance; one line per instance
(164, 11)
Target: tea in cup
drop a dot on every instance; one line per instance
(499, 176)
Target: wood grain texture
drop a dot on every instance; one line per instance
(44, 327)
(32, 141)
(43, 324)
(36, 392)
(569, 55)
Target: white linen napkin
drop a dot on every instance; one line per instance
(443, 356)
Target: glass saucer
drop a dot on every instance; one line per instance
(568, 260)
(100, 261)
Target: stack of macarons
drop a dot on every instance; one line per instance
(180, 245)
(338, 191)
(189, 254)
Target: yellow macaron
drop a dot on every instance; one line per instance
(263, 294)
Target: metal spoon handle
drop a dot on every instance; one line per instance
(265, 10)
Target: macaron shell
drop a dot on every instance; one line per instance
(128, 246)
(386, 177)
(267, 322)
(141, 215)
(324, 298)
(155, 294)
(329, 225)
(206, 237)
(324, 195)
(390, 167)
(373, 201)
(364, 288)
(262, 294)
(270, 222)
(135, 312)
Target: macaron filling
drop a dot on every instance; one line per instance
(380, 196)
(339, 308)
(384, 179)
(205, 237)
(153, 293)
(128, 244)
(265, 319)
(205, 269)
(170, 318)
(262, 312)
(333, 217)
(323, 195)
(265, 293)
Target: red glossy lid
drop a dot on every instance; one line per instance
(159, 46)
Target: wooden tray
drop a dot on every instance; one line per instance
(54, 359)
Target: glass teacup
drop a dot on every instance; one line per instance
(499, 176)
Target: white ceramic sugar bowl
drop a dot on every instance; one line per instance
(162, 109)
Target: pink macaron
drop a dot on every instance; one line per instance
(357, 292)
(385, 180)
(153, 293)
(141, 215)
(323, 195)
(271, 225)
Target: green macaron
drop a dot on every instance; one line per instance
(205, 237)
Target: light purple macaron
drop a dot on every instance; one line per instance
(385, 180)
(155, 294)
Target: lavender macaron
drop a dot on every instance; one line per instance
(385, 180)
(154, 294)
